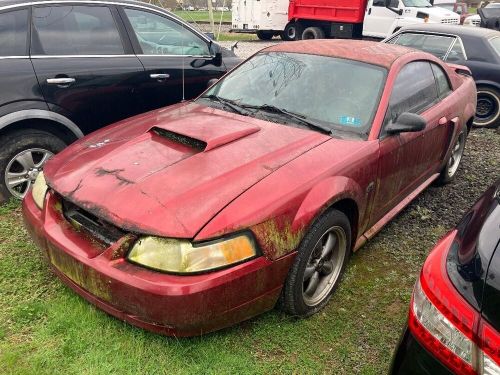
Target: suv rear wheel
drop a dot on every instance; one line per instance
(22, 158)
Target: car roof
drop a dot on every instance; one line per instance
(365, 51)
(8, 3)
(459, 30)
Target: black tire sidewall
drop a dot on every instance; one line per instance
(298, 31)
(291, 300)
(16, 142)
(493, 92)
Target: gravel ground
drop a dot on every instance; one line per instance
(247, 49)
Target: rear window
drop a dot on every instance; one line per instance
(13, 33)
(75, 30)
(495, 43)
(437, 45)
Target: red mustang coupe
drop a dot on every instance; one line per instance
(194, 217)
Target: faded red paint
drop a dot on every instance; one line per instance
(243, 174)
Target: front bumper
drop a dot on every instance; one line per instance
(162, 303)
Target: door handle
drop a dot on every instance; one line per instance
(160, 76)
(369, 11)
(61, 81)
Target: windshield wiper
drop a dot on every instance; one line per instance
(228, 103)
(290, 115)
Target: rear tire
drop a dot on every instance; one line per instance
(293, 31)
(450, 170)
(488, 108)
(265, 35)
(319, 265)
(22, 156)
(313, 32)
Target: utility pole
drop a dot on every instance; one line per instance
(211, 16)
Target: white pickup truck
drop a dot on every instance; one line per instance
(336, 19)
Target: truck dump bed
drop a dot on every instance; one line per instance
(351, 11)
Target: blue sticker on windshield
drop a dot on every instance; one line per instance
(350, 121)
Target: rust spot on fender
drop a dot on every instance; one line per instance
(277, 237)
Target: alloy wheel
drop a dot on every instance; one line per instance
(456, 155)
(324, 266)
(23, 170)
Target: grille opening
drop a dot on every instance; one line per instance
(92, 225)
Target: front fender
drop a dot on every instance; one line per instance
(324, 195)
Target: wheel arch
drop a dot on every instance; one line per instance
(340, 193)
(51, 122)
(487, 83)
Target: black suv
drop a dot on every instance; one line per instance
(70, 67)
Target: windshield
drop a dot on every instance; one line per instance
(449, 7)
(332, 94)
(417, 3)
(493, 5)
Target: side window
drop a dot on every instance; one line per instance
(13, 33)
(456, 53)
(414, 90)
(75, 30)
(379, 3)
(159, 35)
(437, 45)
(443, 85)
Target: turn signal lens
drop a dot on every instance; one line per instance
(181, 256)
(39, 190)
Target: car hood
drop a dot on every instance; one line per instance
(168, 172)
(442, 13)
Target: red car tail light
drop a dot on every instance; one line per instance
(446, 325)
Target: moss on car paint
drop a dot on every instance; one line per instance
(277, 237)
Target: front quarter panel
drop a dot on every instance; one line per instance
(280, 208)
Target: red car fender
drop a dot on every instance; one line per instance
(328, 193)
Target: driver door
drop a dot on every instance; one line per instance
(177, 62)
(379, 19)
(403, 161)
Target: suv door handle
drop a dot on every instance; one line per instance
(160, 76)
(60, 81)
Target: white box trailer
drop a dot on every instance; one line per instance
(266, 18)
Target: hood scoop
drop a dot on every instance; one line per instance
(182, 139)
(204, 134)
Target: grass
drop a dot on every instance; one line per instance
(202, 16)
(45, 328)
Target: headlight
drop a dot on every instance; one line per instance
(39, 190)
(181, 256)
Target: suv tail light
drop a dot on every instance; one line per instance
(446, 325)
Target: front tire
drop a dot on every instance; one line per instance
(488, 108)
(450, 170)
(22, 157)
(319, 265)
(265, 35)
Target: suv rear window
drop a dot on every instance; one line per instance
(75, 30)
(13, 33)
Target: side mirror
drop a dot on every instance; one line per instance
(210, 35)
(406, 123)
(217, 60)
(212, 82)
